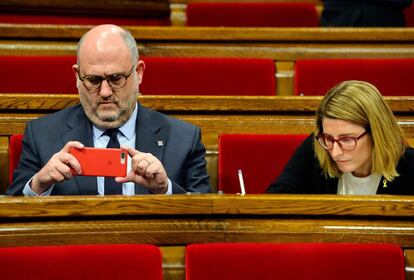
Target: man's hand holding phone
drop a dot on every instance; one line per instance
(147, 171)
(57, 169)
(75, 159)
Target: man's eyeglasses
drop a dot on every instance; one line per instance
(115, 81)
(345, 143)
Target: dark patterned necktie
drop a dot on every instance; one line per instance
(112, 187)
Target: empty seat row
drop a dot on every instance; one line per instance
(213, 76)
(207, 261)
(123, 261)
(198, 14)
(252, 14)
(263, 14)
(163, 75)
(81, 12)
(76, 19)
(317, 76)
(311, 261)
(242, 14)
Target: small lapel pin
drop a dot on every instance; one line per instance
(160, 143)
(384, 183)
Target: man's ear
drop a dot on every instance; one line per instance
(140, 68)
(75, 68)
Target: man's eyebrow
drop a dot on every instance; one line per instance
(114, 74)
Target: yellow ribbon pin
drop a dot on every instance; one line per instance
(384, 183)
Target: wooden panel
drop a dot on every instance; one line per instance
(67, 206)
(299, 230)
(173, 263)
(182, 219)
(25, 103)
(285, 77)
(328, 205)
(10, 47)
(294, 105)
(4, 163)
(238, 35)
(409, 264)
(153, 231)
(180, 206)
(178, 14)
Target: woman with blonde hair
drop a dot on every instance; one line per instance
(357, 148)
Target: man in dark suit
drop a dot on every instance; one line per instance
(364, 13)
(166, 155)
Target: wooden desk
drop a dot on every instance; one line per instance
(283, 45)
(214, 114)
(175, 221)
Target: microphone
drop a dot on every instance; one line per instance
(241, 182)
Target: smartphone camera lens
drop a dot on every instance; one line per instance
(123, 157)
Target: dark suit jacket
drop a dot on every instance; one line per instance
(182, 152)
(303, 175)
(364, 13)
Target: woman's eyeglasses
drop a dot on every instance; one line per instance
(346, 143)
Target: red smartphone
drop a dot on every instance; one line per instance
(102, 161)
